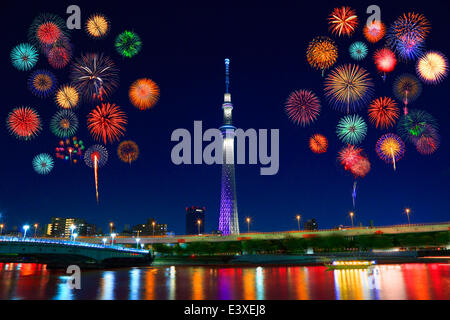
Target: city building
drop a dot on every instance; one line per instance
(61, 227)
(193, 216)
(151, 228)
(228, 220)
(311, 225)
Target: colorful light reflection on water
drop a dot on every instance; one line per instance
(387, 282)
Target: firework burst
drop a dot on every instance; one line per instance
(24, 123)
(144, 94)
(383, 112)
(361, 167)
(351, 129)
(414, 124)
(97, 26)
(374, 31)
(67, 97)
(47, 29)
(349, 155)
(95, 76)
(303, 107)
(96, 157)
(322, 53)
(385, 61)
(358, 50)
(60, 54)
(407, 88)
(343, 21)
(128, 151)
(428, 142)
(318, 143)
(24, 56)
(64, 124)
(43, 163)
(390, 148)
(42, 83)
(107, 123)
(128, 44)
(348, 87)
(70, 150)
(432, 67)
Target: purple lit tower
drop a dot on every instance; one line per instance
(228, 221)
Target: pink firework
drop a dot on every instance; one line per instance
(303, 107)
(385, 61)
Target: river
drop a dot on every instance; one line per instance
(387, 282)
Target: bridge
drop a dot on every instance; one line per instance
(347, 232)
(61, 253)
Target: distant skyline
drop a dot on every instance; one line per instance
(184, 47)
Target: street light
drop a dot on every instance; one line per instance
(153, 226)
(298, 221)
(25, 228)
(113, 235)
(137, 242)
(408, 211)
(111, 226)
(1, 228)
(351, 216)
(104, 241)
(199, 222)
(35, 229)
(248, 224)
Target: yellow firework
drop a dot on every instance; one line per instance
(67, 97)
(97, 26)
(322, 53)
(432, 67)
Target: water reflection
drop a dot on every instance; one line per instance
(409, 281)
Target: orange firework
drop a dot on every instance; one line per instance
(128, 151)
(343, 21)
(322, 53)
(383, 112)
(144, 93)
(374, 31)
(318, 143)
(107, 123)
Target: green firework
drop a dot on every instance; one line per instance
(351, 129)
(128, 44)
(64, 124)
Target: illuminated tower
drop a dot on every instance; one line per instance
(228, 221)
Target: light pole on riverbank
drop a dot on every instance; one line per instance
(298, 221)
(199, 222)
(408, 211)
(1, 228)
(35, 229)
(248, 224)
(25, 229)
(351, 216)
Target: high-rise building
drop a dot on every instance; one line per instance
(193, 216)
(61, 227)
(228, 220)
(151, 228)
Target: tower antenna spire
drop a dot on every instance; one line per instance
(227, 75)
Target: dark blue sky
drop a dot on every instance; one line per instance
(184, 48)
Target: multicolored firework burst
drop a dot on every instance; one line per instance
(67, 97)
(407, 35)
(97, 26)
(374, 31)
(414, 124)
(358, 50)
(24, 123)
(385, 61)
(60, 54)
(64, 124)
(24, 56)
(428, 142)
(318, 143)
(42, 83)
(383, 112)
(348, 87)
(43, 163)
(432, 67)
(303, 107)
(407, 88)
(107, 123)
(96, 157)
(343, 21)
(47, 29)
(322, 53)
(128, 151)
(95, 76)
(128, 44)
(349, 155)
(351, 129)
(70, 150)
(390, 148)
(144, 93)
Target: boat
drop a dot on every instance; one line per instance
(349, 264)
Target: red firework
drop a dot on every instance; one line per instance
(303, 107)
(361, 167)
(385, 60)
(349, 156)
(59, 57)
(375, 31)
(427, 145)
(318, 143)
(48, 33)
(383, 112)
(24, 123)
(107, 123)
(343, 21)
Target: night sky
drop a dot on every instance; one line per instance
(184, 49)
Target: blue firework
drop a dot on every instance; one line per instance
(42, 83)
(358, 50)
(24, 56)
(43, 163)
